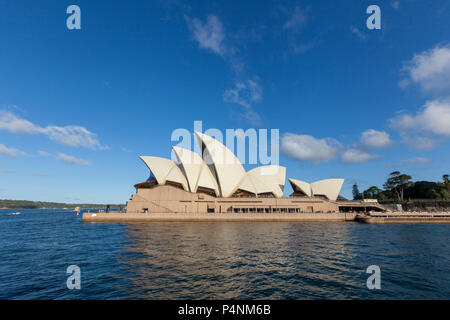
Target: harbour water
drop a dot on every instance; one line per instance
(219, 260)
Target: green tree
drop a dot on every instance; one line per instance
(371, 193)
(356, 194)
(445, 177)
(445, 190)
(397, 183)
(445, 194)
(383, 196)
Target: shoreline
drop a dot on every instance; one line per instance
(390, 217)
(404, 217)
(219, 217)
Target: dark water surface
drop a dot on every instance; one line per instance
(220, 260)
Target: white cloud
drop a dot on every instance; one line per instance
(297, 20)
(251, 116)
(10, 122)
(41, 175)
(358, 33)
(299, 48)
(431, 124)
(430, 70)
(209, 35)
(245, 93)
(418, 160)
(425, 129)
(404, 83)
(44, 153)
(74, 136)
(375, 139)
(433, 118)
(419, 142)
(73, 160)
(357, 156)
(4, 170)
(212, 36)
(10, 152)
(308, 148)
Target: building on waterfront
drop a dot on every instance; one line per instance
(216, 182)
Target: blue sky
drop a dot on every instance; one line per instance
(77, 107)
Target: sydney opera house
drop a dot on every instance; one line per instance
(216, 182)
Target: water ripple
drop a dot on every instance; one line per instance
(218, 260)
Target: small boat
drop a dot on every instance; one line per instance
(16, 213)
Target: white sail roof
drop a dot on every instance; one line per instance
(253, 184)
(196, 170)
(220, 170)
(165, 170)
(206, 180)
(228, 169)
(160, 167)
(247, 185)
(175, 175)
(302, 186)
(329, 188)
(191, 163)
(269, 179)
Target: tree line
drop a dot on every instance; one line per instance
(399, 187)
(25, 204)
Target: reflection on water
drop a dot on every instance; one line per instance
(221, 260)
(282, 260)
